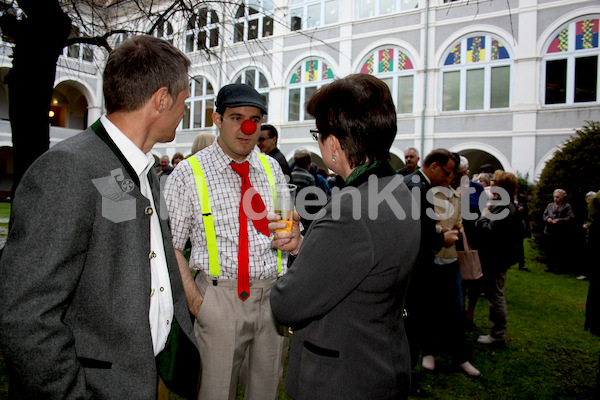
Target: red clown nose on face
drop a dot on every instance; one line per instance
(248, 127)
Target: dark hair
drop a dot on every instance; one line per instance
(271, 129)
(441, 156)
(140, 66)
(302, 160)
(360, 112)
(177, 155)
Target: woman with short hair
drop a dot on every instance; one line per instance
(343, 296)
(558, 224)
(499, 228)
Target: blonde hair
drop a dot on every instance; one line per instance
(201, 141)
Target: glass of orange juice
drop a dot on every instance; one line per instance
(284, 195)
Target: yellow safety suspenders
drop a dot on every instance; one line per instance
(207, 218)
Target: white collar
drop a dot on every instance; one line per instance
(140, 161)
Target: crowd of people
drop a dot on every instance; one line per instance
(199, 288)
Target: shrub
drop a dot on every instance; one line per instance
(575, 168)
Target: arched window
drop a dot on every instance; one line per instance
(476, 74)
(571, 63)
(373, 8)
(306, 78)
(164, 30)
(202, 31)
(200, 106)
(396, 69)
(307, 14)
(256, 79)
(253, 19)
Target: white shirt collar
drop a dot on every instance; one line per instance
(225, 159)
(140, 161)
(426, 177)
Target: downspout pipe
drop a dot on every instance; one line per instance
(425, 76)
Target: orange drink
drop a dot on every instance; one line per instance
(283, 204)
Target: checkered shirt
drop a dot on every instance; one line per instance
(224, 187)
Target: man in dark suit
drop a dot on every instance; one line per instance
(411, 161)
(267, 143)
(438, 170)
(90, 289)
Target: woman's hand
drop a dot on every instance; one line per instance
(283, 240)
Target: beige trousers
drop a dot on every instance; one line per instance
(231, 332)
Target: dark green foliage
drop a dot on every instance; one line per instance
(574, 168)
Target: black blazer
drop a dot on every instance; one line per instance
(344, 296)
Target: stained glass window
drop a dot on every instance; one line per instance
(394, 66)
(571, 63)
(476, 74)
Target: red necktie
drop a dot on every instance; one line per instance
(262, 225)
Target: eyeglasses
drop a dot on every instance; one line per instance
(446, 172)
(315, 134)
(262, 139)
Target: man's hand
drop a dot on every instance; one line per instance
(285, 241)
(450, 237)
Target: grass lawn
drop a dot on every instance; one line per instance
(4, 210)
(548, 355)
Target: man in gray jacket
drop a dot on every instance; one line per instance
(90, 291)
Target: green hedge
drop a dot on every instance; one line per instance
(574, 168)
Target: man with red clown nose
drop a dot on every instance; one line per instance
(219, 199)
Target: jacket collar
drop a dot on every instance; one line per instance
(99, 130)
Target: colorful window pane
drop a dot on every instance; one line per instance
(586, 34)
(326, 72)
(404, 62)
(499, 52)
(454, 56)
(476, 49)
(560, 43)
(296, 76)
(367, 67)
(312, 67)
(386, 63)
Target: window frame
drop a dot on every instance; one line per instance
(168, 32)
(263, 91)
(304, 5)
(208, 29)
(303, 85)
(81, 49)
(395, 74)
(190, 104)
(464, 67)
(377, 9)
(571, 56)
(260, 16)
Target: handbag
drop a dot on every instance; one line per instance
(469, 263)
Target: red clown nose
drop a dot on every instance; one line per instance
(248, 127)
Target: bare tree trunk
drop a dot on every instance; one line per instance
(39, 40)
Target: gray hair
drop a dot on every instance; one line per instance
(464, 162)
(413, 149)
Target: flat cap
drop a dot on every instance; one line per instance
(239, 95)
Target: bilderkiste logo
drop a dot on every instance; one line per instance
(117, 204)
(349, 198)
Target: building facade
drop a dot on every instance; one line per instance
(503, 82)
